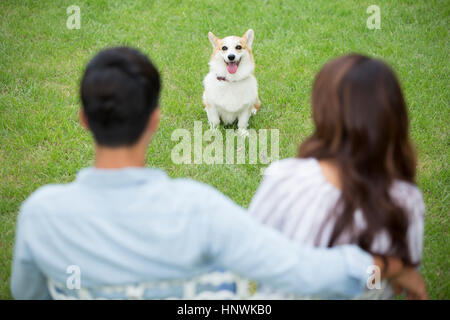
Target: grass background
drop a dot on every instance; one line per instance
(41, 63)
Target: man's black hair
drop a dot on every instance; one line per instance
(119, 90)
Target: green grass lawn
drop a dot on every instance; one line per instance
(41, 63)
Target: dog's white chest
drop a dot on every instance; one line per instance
(230, 96)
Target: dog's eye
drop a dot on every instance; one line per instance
(238, 47)
(224, 48)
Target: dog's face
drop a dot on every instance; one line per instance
(232, 56)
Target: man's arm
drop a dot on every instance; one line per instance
(240, 244)
(27, 281)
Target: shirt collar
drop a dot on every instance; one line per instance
(118, 177)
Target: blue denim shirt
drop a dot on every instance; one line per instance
(133, 225)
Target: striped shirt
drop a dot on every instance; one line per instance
(296, 199)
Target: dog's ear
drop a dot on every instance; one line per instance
(213, 39)
(249, 36)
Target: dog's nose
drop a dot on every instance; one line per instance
(231, 57)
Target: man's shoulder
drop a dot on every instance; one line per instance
(43, 196)
(201, 193)
(189, 187)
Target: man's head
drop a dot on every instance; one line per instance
(119, 92)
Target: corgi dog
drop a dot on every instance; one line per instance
(231, 90)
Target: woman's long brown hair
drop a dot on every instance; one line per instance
(361, 123)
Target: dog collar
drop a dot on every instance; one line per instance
(220, 78)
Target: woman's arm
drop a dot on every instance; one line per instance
(402, 277)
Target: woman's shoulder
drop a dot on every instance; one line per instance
(409, 197)
(292, 166)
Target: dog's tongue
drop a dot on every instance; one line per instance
(232, 67)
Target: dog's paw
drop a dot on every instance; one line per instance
(254, 111)
(243, 132)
